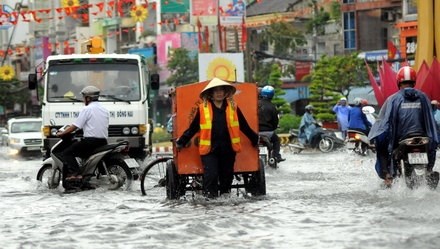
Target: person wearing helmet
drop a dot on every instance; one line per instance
(406, 112)
(341, 109)
(307, 127)
(268, 119)
(219, 121)
(357, 120)
(93, 119)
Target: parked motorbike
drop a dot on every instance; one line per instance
(358, 142)
(266, 149)
(108, 165)
(325, 140)
(411, 157)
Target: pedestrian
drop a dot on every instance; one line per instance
(268, 119)
(341, 109)
(93, 119)
(219, 121)
(404, 113)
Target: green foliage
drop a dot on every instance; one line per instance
(325, 117)
(287, 122)
(284, 37)
(12, 92)
(274, 80)
(335, 10)
(333, 77)
(184, 69)
(160, 136)
(319, 20)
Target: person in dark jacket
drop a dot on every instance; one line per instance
(406, 112)
(357, 120)
(268, 119)
(219, 121)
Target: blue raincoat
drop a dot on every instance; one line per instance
(307, 128)
(342, 116)
(414, 108)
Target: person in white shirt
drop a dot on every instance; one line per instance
(94, 121)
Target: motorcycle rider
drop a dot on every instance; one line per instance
(404, 113)
(341, 109)
(357, 120)
(94, 120)
(268, 119)
(307, 127)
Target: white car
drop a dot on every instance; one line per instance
(24, 136)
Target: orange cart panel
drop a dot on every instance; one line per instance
(185, 104)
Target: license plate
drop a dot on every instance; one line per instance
(132, 163)
(351, 145)
(418, 158)
(263, 150)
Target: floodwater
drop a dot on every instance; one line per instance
(313, 200)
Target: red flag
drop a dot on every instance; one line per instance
(243, 34)
(199, 33)
(376, 88)
(392, 50)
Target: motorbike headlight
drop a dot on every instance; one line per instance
(126, 131)
(134, 130)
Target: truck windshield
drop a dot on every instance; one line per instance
(19, 127)
(117, 81)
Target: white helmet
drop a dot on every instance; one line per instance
(91, 91)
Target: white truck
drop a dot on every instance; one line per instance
(125, 83)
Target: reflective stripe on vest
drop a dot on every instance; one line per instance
(205, 110)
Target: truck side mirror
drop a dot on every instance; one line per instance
(154, 81)
(32, 81)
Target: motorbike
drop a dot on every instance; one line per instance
(358, 143)
(411, 157)
(325, 140)
(266, 149)
(108, 165)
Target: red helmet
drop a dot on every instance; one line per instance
(406, 73)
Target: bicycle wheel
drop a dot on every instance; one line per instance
(153, 177)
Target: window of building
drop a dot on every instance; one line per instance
(348, 1)
(349, 31)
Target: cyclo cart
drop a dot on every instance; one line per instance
(183, 171)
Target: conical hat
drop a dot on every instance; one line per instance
(218, 82)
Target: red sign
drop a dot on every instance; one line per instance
(302, 69)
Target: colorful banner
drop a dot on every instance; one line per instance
(165, 44)
(232, 12)
(190, 42)
(226, 66)
(174, 6)
(204, 10)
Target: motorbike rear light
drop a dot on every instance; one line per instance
(357, 137)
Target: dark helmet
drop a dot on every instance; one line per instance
(91, 91)
(406, 74)
(267, 92)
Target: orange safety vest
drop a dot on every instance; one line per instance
(205, 110)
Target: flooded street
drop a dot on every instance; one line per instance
(313, 200)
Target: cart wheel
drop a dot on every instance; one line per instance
(153, 178)
(172, 181)
(257, 184)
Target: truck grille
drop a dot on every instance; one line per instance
(32, 141)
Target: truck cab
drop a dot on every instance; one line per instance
(125, 83)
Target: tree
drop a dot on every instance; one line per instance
(332, 78)
(274, 80)
(184, 69)
(284, 37)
